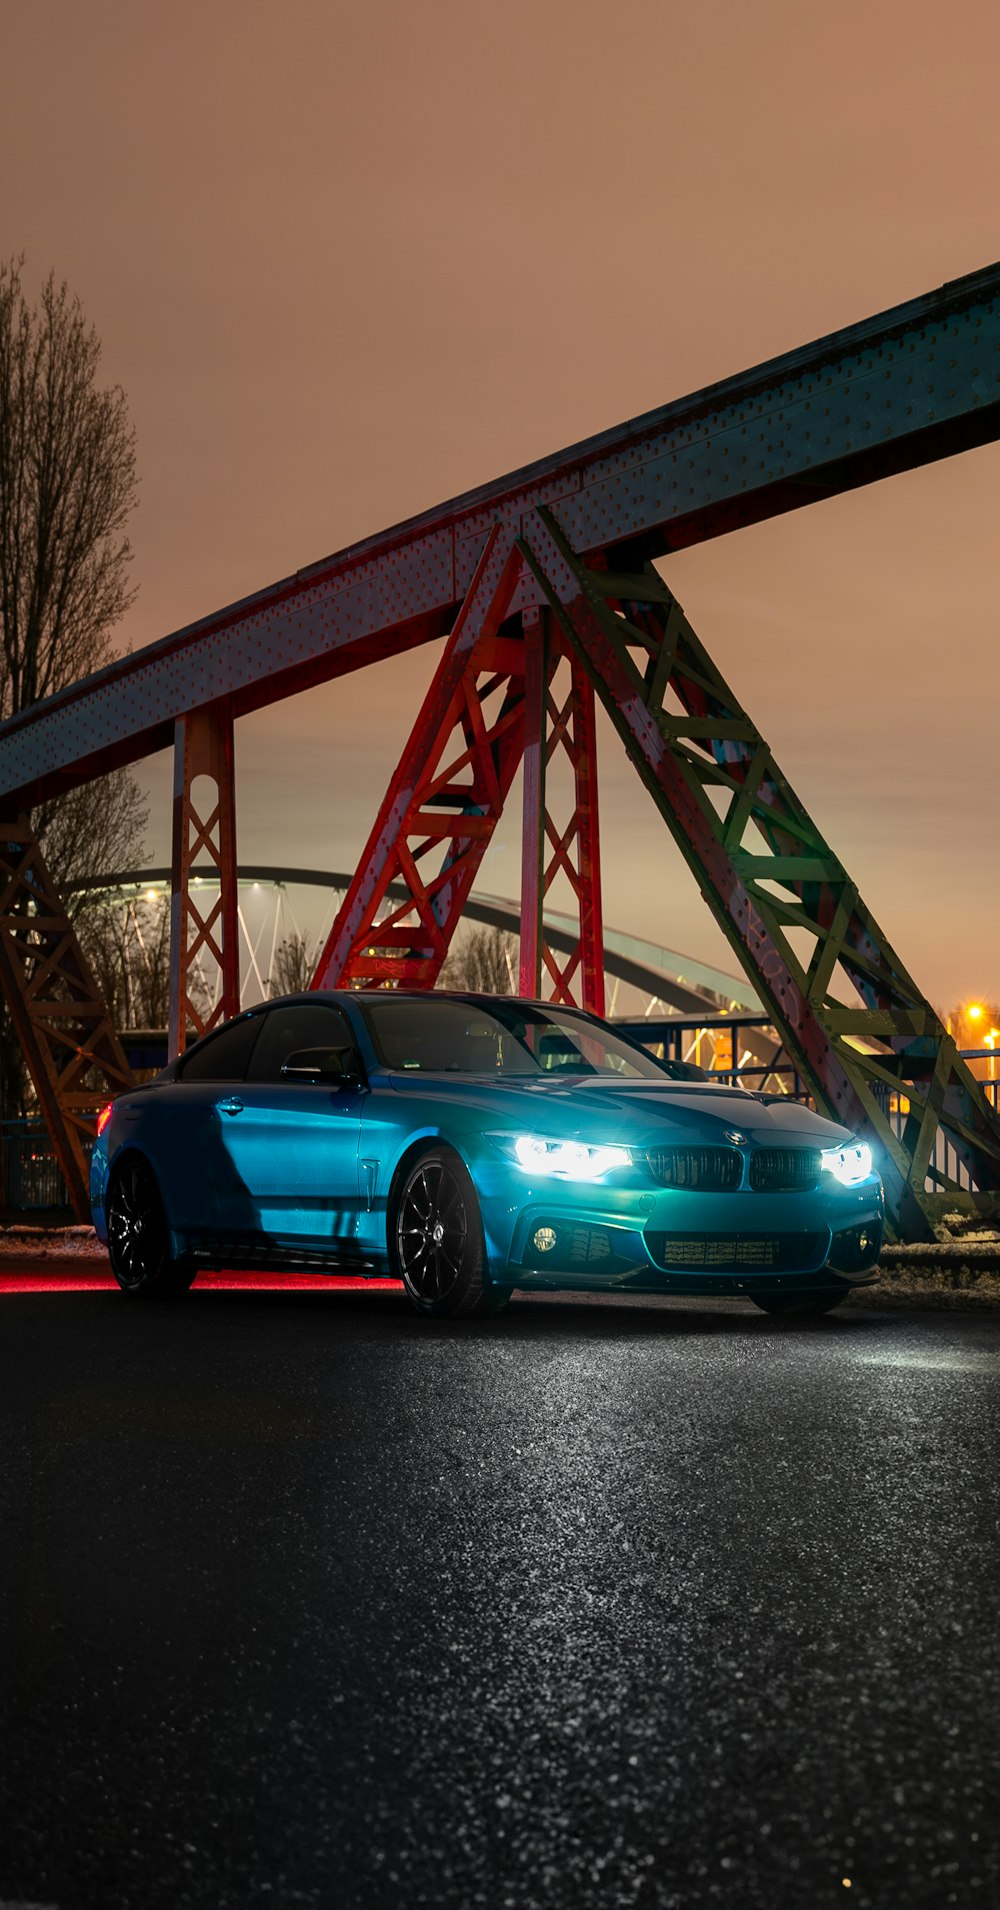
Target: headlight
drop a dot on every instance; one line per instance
(568, 1160)
(851, 1163)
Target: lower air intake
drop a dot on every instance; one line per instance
(587, 1244)
(737, 1253)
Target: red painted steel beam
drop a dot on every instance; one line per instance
(584, 752)
(536, 680)
(916, 383)
(444, 800)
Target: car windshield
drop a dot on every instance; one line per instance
(444, 1035)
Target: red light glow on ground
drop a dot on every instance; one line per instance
(43, 1282)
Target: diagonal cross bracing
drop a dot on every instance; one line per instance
(560, 723)
(204, 823)
(916, 383)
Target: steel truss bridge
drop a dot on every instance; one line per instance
(544, 585)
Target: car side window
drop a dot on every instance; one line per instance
(288, 1031)
(223, 1057)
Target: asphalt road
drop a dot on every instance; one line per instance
(304, 1602)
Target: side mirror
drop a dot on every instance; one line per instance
(332, 1067)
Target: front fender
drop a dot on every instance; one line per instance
(394, 1128)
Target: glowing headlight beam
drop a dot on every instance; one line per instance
(570, 1160)
(850, 1164)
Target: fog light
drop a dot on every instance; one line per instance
(855, 1249)
(544, 1238)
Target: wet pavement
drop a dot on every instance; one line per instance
(306, 1602)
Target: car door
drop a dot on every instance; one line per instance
(183, 1126)
(292, 1141)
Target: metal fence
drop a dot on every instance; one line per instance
(741, 1048)
(32, 1178)
(945, 1160)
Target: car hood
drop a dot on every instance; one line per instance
(632, 1113)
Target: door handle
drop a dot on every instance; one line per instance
(231, 1105)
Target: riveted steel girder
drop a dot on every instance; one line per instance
(73, 1054)
(852, 1018)
(915, 383)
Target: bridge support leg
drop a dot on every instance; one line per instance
(73, 1054)
(443, 802)
(856, 1026)
(205, 826)
(536, 678)
(560, 719)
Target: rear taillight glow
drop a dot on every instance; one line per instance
(104, 1117)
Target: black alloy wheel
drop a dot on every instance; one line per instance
(436, 1240)
(800, 1306)
(139, 1238)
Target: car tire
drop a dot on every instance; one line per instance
(436, 1243)
(139, 1244)
(800, 1305)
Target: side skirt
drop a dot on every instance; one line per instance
(267, 1256)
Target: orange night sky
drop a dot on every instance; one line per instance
(350, 259)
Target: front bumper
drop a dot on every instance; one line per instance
(672, 1241)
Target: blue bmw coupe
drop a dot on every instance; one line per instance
(470, 1145)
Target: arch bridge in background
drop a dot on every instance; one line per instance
(678, 982)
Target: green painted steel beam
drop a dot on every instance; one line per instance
(823, 1035)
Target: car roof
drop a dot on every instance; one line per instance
(409, 994)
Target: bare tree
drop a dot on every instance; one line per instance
(67, 488)
(128, 946)
(484, 962)
(94, 830)
(294, 962)
(127, 941)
